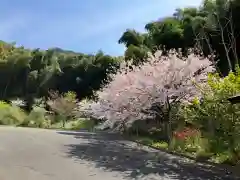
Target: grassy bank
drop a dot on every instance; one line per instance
(80, 124)
(198, 155)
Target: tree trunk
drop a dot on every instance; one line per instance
(168, 126)
(64, 122)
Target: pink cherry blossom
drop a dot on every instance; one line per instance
(162, 79)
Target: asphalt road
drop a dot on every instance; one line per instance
(37, 154)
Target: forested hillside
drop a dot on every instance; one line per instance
(29, 73)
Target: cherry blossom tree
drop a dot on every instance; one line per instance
(151, 90)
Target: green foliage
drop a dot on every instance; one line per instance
(136, 54)
(4, 105)
(206, 28)
(14, 115)
(82, 124)
(131, 37)
(203, 155)
(218, 119)
(160, 145)
(186, 140)
(32, 73)
(144, 140)
(37, 118)
(11, 115)
(226, 157)
(71, 96)
(76, 124)
(177, 145)
(63, 105)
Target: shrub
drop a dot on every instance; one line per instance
(83, 124)
(63, 105)
(11, 114)
(218, 119)
(36, 118)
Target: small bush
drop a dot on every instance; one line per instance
(226, 158)
(79, 124)
(63, 105)
(11, 114)
(36, 118)
(83, 124)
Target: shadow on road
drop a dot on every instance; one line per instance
(112, 153)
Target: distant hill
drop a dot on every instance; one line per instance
(59, 50)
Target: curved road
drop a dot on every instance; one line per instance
(37, 154)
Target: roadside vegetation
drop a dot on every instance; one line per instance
(58, 112)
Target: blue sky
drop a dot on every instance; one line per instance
(79, 25)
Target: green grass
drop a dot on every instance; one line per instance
(150, 142)
(80, 124)
(222, 158)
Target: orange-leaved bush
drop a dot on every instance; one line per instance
(149, 91)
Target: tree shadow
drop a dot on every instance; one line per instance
(112, 153)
